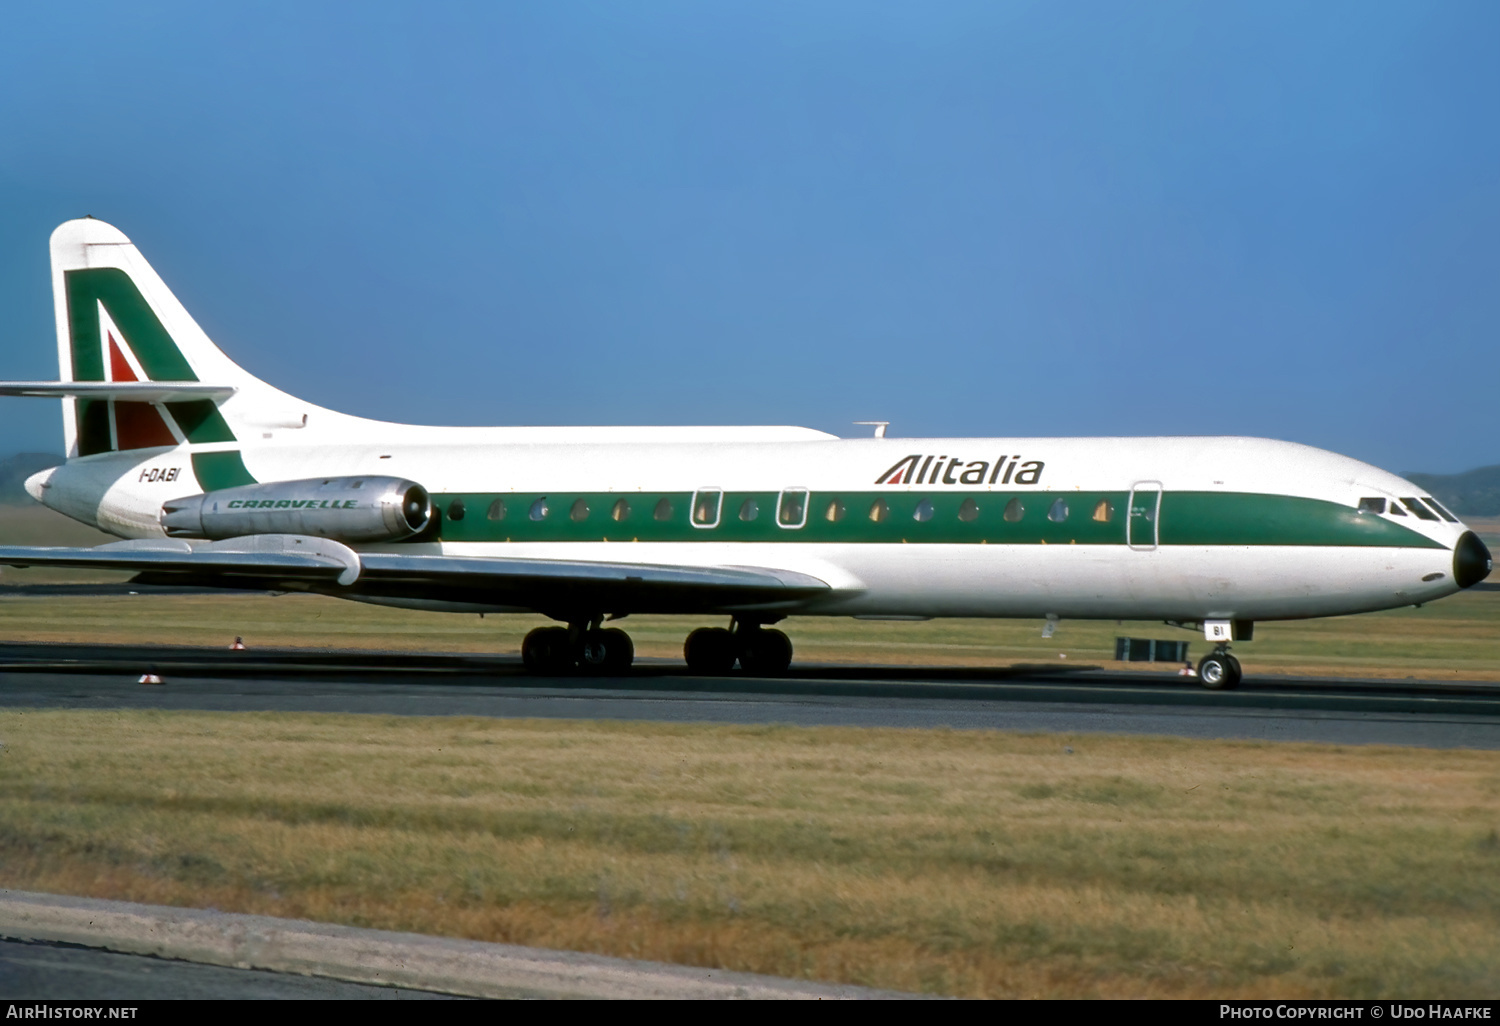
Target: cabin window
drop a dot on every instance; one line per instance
(923, 512)
(1396, 510)
(580, 511)
(835, 511)
(749, 510)
(456, 509)
(1439, 507)
(1422, 512)
(1014, 509)
(1104, 512)
(706, 503)
(663, 510)
(879, 511)
(1376, 505)
(620, 512)
(791, 511)
(1059, 511)
(969, 511)
(496, 510)
(539, 509)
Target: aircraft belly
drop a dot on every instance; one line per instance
(1070, 581)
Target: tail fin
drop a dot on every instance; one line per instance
(118, 322)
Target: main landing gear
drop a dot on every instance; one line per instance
(759, 650)
(552, 650)
(590, 647)
(1219, 671)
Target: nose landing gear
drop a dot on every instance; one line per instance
(1219, 671)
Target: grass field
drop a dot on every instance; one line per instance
(969, 863)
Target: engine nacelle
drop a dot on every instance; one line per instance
(346, 509)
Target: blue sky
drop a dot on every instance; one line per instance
(1278, 219)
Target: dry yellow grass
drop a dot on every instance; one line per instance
(969, 863)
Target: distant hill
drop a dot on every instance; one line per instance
(1474, 493)
(14, 470)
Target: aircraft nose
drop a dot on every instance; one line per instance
(1471, 561)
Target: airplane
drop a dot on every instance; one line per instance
(214, 477)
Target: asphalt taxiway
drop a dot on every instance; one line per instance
(1037, 698)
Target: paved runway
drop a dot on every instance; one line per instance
(1406, 712)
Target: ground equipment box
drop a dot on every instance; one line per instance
(1149, 650)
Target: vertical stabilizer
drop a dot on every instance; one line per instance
(118, 322)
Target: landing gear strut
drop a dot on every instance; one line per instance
(555, 650)
(1219, 671)
(759, 650)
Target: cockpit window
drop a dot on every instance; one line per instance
(1422, 512)
(1439, 507)
(1372, 505)
(1396, 510)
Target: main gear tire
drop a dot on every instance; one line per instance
(593, 652)
(620, 650)
(545, 651)
(709, 650)
(766, 652)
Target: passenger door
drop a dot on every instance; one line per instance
(1142, 526)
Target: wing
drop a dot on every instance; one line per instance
(566, 589)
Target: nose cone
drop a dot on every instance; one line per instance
(1471, 561)
(37, 484)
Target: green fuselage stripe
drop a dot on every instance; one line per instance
(216, 470)
(1091, 518)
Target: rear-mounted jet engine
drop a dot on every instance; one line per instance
(346, 509)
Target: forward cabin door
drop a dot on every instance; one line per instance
(1143, 526)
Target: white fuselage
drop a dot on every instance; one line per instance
(1309, 554)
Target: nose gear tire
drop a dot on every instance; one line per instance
(1219, 671)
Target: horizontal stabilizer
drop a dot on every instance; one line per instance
(244, 562)
(129, 391)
